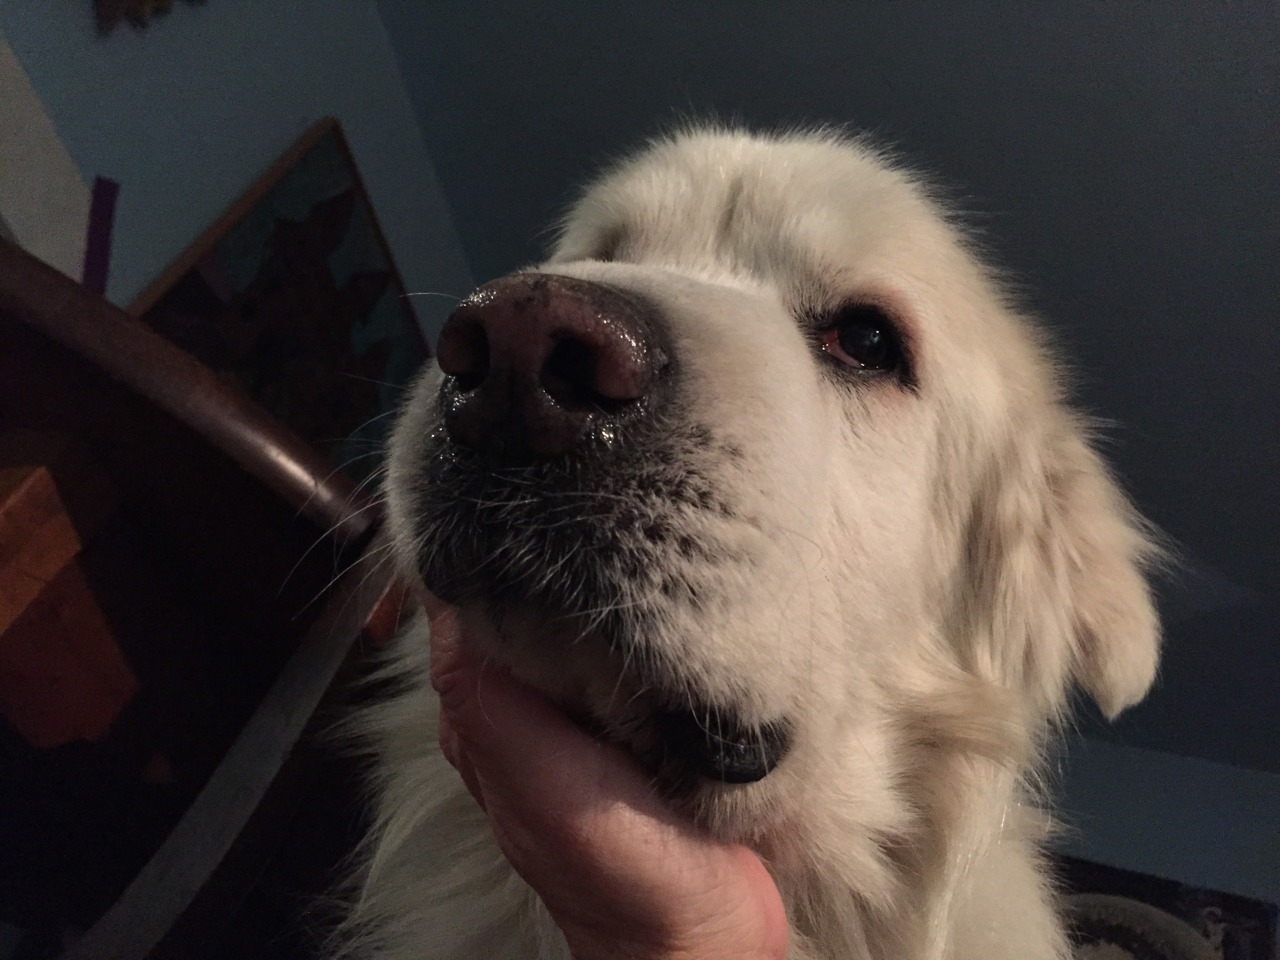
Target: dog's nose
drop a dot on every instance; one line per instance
(534, 361)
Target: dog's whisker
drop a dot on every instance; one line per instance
(327, 536)
(398, 387)
(431, 293)
(378, 551)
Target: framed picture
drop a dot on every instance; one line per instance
(293, 297)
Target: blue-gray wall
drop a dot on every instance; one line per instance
(188, 113)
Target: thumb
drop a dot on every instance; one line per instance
(489, 722)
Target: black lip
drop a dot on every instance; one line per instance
(722, 750)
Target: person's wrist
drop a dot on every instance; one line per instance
(588, 944)
(616, 951)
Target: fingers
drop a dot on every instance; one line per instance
(451, 668)
(495, 723)
(451, 747)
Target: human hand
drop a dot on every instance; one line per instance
(622, 875)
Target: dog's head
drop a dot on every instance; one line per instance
(758, 459)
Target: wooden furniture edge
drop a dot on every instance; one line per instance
(132, 354)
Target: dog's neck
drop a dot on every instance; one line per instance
(919, 889)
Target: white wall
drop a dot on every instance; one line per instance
(44, 201)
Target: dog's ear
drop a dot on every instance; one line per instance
(1060, 558)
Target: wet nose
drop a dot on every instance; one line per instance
(533, 362)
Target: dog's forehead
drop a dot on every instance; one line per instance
(810, 202)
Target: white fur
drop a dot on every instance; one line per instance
(915, 578)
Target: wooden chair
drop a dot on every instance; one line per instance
(181, 580)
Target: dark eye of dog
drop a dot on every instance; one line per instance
(864, 338)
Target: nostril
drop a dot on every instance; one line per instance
(463, 353)
(571, 377)
(569, 373)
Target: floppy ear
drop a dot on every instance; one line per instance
(1060, 556)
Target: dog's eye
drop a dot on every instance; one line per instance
(864, 338)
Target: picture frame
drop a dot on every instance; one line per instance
(292, 295)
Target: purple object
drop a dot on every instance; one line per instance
(97, 246)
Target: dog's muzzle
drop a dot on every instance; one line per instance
(554, 399)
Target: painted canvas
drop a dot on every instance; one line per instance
(293, 296)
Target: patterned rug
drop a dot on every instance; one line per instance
(1105, 927)
(1124, 915)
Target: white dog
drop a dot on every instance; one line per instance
(763, 475)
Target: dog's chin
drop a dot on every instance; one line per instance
(692, 753)
(691, 749)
